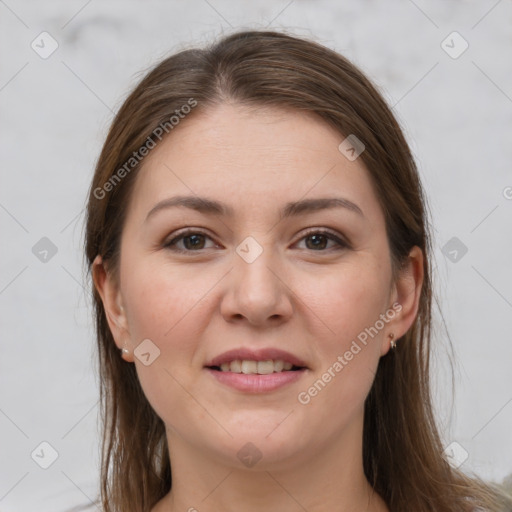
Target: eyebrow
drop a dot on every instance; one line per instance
(292, 209)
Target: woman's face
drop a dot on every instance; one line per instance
(266, 274)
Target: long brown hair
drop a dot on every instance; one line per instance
(402, 449)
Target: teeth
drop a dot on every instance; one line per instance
(278, 366)
(255, 367)
(236, 366)
(249, 367)
(265, 367)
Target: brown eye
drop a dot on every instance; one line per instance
(192, 241)
(320, 239)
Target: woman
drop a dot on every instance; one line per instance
(258, 240)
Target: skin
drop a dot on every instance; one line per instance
(312, 302)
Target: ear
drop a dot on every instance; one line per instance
(110, 294)
(406, 293)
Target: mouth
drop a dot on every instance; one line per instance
(252, 367)
(256, 371)
(263, 361)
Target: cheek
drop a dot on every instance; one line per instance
(164, 305)
(171, 305)
(338, 394)
(350, 305)
(349, 300)
(159, 298)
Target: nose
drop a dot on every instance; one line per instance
(258, 292)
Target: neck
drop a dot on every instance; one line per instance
(331, 478)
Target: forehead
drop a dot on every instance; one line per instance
(252, 158)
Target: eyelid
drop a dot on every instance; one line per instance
(339, 239)
(177, 236)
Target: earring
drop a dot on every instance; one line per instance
(393, 342)
(124, 351)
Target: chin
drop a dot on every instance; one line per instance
(265, 448)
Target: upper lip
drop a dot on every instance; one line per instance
(263, 354)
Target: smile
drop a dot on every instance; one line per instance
(256, 371)
(249, 377)
(250, 367)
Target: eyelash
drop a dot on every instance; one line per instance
(331, 236)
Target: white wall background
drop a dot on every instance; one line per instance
(457, 113)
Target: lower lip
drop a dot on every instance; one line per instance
(256, 383)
